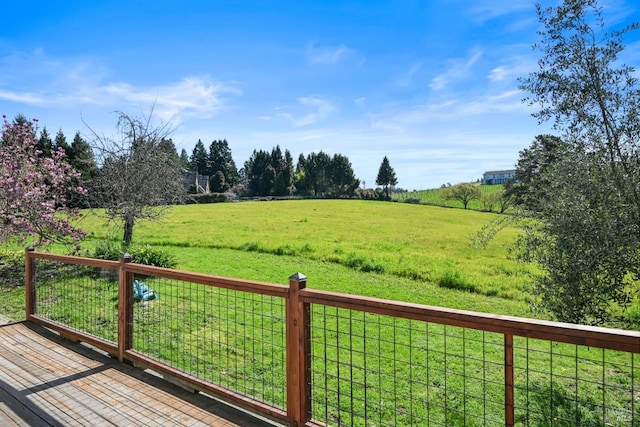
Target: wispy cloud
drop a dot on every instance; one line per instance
(308, 110)
(483, 10)
(328, 55)
(399, 119)
(518, 66)
(76, 82)
(457, 68)
(407, 78)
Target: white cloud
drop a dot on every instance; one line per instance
(483, 10)
(518, 66)
(328, 55)
(49, 82)
(308, 110)
(457, 69)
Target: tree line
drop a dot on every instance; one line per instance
(137, 173)
(274, 173)
(265, 173)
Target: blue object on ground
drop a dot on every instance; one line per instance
(142, 292)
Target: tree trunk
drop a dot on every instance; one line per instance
(128, 230)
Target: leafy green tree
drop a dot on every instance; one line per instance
(386, 178)
(343, 179)
(585, 236)
(463, 193)
(254, 169)
(217, 183)
(316, 172)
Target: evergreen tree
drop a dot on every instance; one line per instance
(81, 158)
(61, 142)
(198, 161)
(184, 159)
(386, 177)
(220, 159)
(255, 173)
(343, 179)
(45, 144)
(169, 148)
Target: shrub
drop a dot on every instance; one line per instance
(110, 250)
(107, 249)
(211, 198)
(150, 256)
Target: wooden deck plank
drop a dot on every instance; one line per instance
(46, 380)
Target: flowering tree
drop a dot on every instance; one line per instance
(35, 188)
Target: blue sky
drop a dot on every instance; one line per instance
(430, 84)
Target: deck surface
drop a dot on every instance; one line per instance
(48, 381)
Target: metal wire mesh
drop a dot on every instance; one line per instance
(82, 298)
(559, 384)
(376, 370)
(230, 338)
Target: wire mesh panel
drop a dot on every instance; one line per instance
(230, 338)
(82, 298)
(377, 370)
(559, 384)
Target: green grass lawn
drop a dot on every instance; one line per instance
(429, 245)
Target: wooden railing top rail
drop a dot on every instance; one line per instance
(89, 262)
(615, 339)
(211, 280)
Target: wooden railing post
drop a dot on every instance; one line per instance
(29, 284)
(298, 331)
(125, 307)
(509, 418)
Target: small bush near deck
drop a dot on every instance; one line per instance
(109, 250)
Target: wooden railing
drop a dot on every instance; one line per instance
(310, 357)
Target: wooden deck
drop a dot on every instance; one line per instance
(46, 380)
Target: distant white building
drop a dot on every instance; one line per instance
(498, 177)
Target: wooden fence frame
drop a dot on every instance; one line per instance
(298, 301)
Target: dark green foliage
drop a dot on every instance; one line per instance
(210, 198)
(45, 144)
(321, 175)
(61, 142)
(581, 197)
(220, 160)
(145, 254)
(198, 160)
(150, 256)
(81, 158)
(386, 177)
(269, 174)
(529, 188)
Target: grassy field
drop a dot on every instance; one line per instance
(433, 197)
(427, 244)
